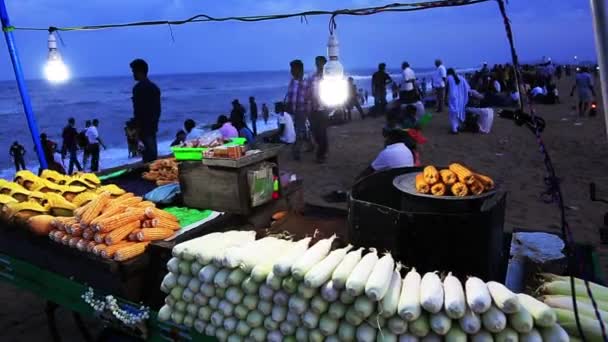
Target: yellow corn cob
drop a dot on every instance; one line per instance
(162, 223)
(55, 235)
(488, 183)
(421, 184)
(83, 198)
(98, 248)
(146, 204)
(76, 230)
(90, 245)
(100, 237)
(81, 245)
(95, 209)
(476, 188)
(133, 235)
(65, 239)
(464, 175)
(460, 189)
(153, 234)
(127, 202)
(153, 213)
(109, 213)
(115, 222)
(109, 251)
(80, 210)
(431, 176)
(73, 241)
(130, 251)
(438, 189)
(121, 233)
(88, 234)
(448, 177)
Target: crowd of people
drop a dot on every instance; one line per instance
(303, 119)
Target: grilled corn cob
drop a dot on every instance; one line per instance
(421, 185)
(476, 188)
(431, 175)
(438, 189)
(448, 177)
(464, 175)
(488, 183)
(460, 189)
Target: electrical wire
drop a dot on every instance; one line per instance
(553, 189)
(394, 7)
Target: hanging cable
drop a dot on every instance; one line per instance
(395, 7)
(554, 192)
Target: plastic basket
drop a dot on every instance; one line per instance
(196, 153)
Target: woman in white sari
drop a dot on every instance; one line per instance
(458, 96)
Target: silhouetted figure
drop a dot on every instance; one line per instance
(17, 152)
(146, 109)
(238, 112)
(132, 140)
(94, 144)
(253, 112)
(70, 145)
(265, 113)
(380, 79)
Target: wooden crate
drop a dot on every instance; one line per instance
(221, 184)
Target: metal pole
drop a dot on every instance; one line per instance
(599, 12)
(25, 98)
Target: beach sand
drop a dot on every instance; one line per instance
(509, 154)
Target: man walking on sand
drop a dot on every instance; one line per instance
(94, 145)
(380, 80)
(146, 109)
(439, 82)
(318, 112)
(296, 105)
(70, 145)
(17, 151)
(253, 112)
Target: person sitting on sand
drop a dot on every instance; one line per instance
(180, 138)
(458, 97)
(394, 155)
(245, 132)
(192, 131)
(286, 134)
(226, 128)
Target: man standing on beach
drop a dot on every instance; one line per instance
(296, 103)
(238, 112)
(439, 79)
(94, 144)
(17, 151)
(265, 113)
(253, 112)
(380, 80)
(70, 145)
(407, 92)
(318, 112)
(146, 109)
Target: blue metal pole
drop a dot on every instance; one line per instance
(25, 97)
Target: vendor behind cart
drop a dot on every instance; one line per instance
(396, 153)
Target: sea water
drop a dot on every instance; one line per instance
(201, 97)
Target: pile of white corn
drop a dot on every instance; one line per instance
(236, 288)
(557, 293)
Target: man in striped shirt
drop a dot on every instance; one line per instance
(297, 103)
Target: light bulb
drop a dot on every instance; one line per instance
(55, 70)
(333, 88)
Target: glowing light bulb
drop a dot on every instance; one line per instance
(55, 70)
(333, 88)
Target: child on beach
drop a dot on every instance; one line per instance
(132, 141)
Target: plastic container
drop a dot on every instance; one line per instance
(196, 153)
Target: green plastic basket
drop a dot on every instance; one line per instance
(196, 153)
